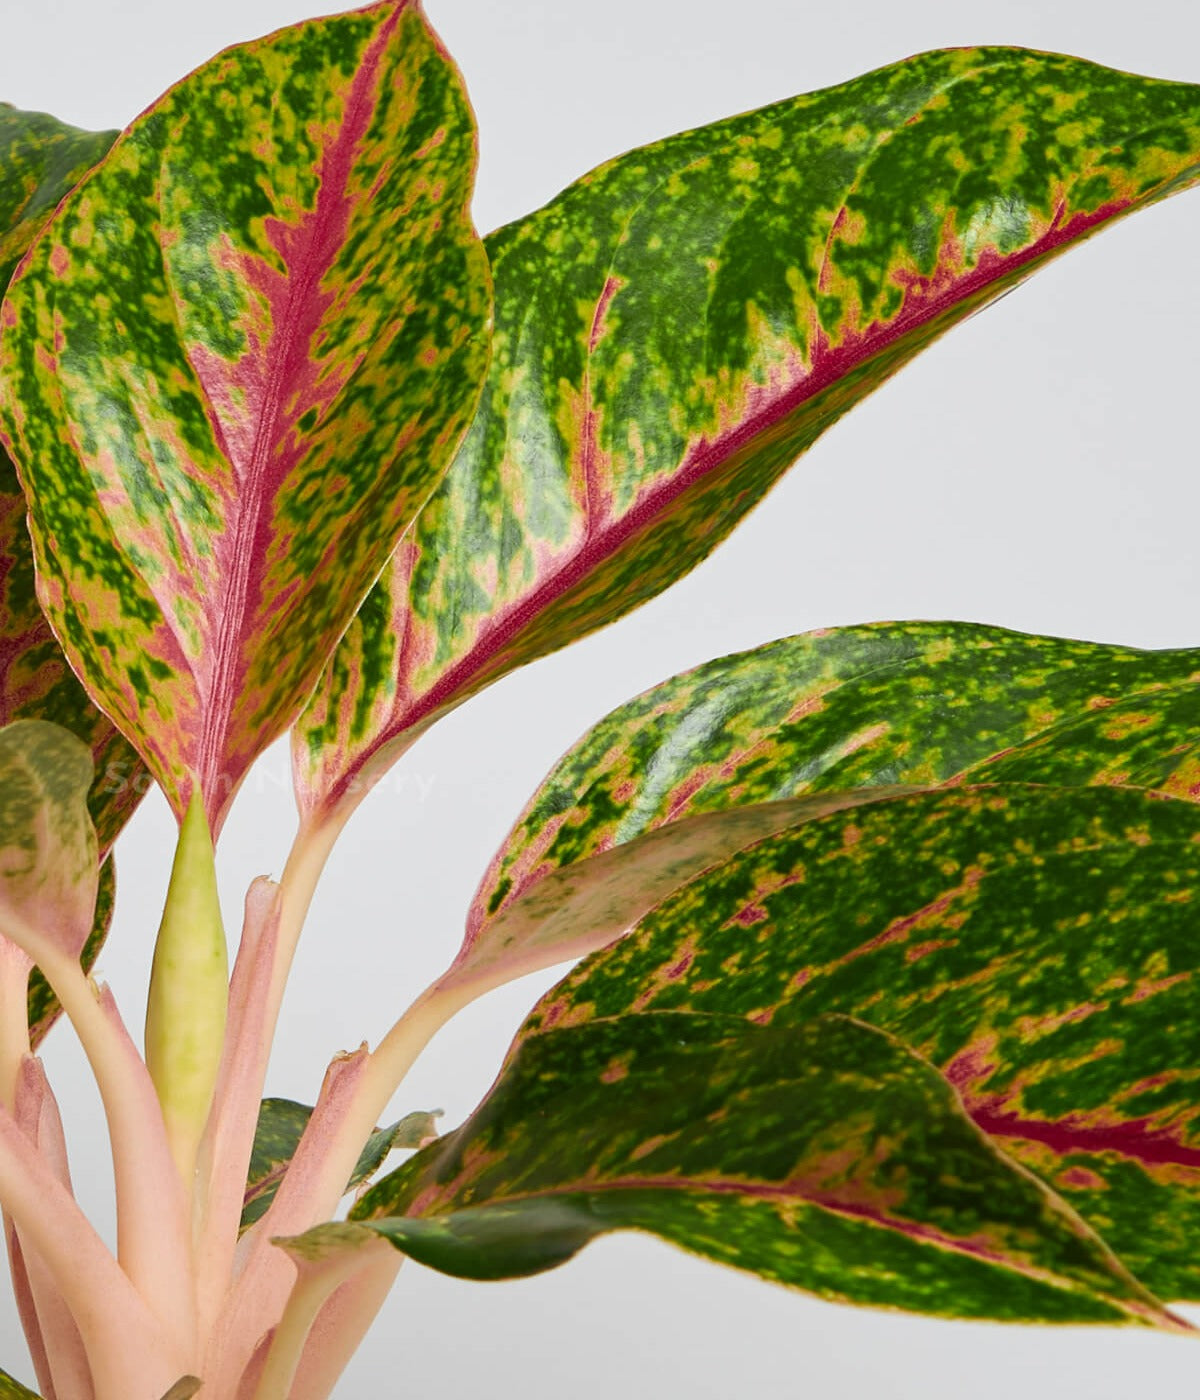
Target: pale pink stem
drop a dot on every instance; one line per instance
(27, 1312)
(318, 1279)
(15, 967)
(274, 919)
(122, 1337)
(153, 1229)
(329, 1150)
(353, 1098)
(267, 1274)
(342, 1324)
(65, 1357)
(228, 1141)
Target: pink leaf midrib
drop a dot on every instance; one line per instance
(602, 542)
(247, 548)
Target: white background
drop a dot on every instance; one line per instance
(1036, 469)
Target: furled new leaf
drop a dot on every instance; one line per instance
(704, 757)
(827, 1156)
(281, 1124)
(40, 159)
(1038, 945)
(678, 326)
(234, 367)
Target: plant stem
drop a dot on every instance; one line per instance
(275, 916)
(121, 1335)
(15, 966)
(27, 1312)
(62, 1367)
(328, 1164)
(225, 1149)
(342, 1324)
(316, 1282)
(153, 1241)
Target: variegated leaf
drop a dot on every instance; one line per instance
(40, 159)
(1038, 945)
(828, 1157)
(281, 1124)
(14, 1390)
(851, 708)
(48, 865)
(234, 367)
(678, 326)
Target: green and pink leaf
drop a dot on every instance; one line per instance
(681, 324)
(702, 760)
(828, 1157)
(291, 307)
(1036, 945)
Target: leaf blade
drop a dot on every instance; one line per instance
(290, 304)
(281, 1124)
(41, 158)
(49, 871)
(710, 760)
(774, 1142)
(1034, 944)
(679, 325)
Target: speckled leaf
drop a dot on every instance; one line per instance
(828, 1156)
(44, 1009)
(909, 703)
(586, 905)
(677, 327)
(48, 864)
(281, 1124)
(14, 1390)
(235, 365)
(40, 159)
(1038, 945)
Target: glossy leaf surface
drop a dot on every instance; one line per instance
(827, 1156)
(910, 703)
(40, 159)
(276, 268)
(678, 326)
(281, 1124)
(1036, 945)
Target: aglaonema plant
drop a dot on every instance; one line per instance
(884, 980)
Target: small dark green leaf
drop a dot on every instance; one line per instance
(281, 1124)
(14, 1390)
(184, 1388)
(1037, 945)
(827, 1156)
